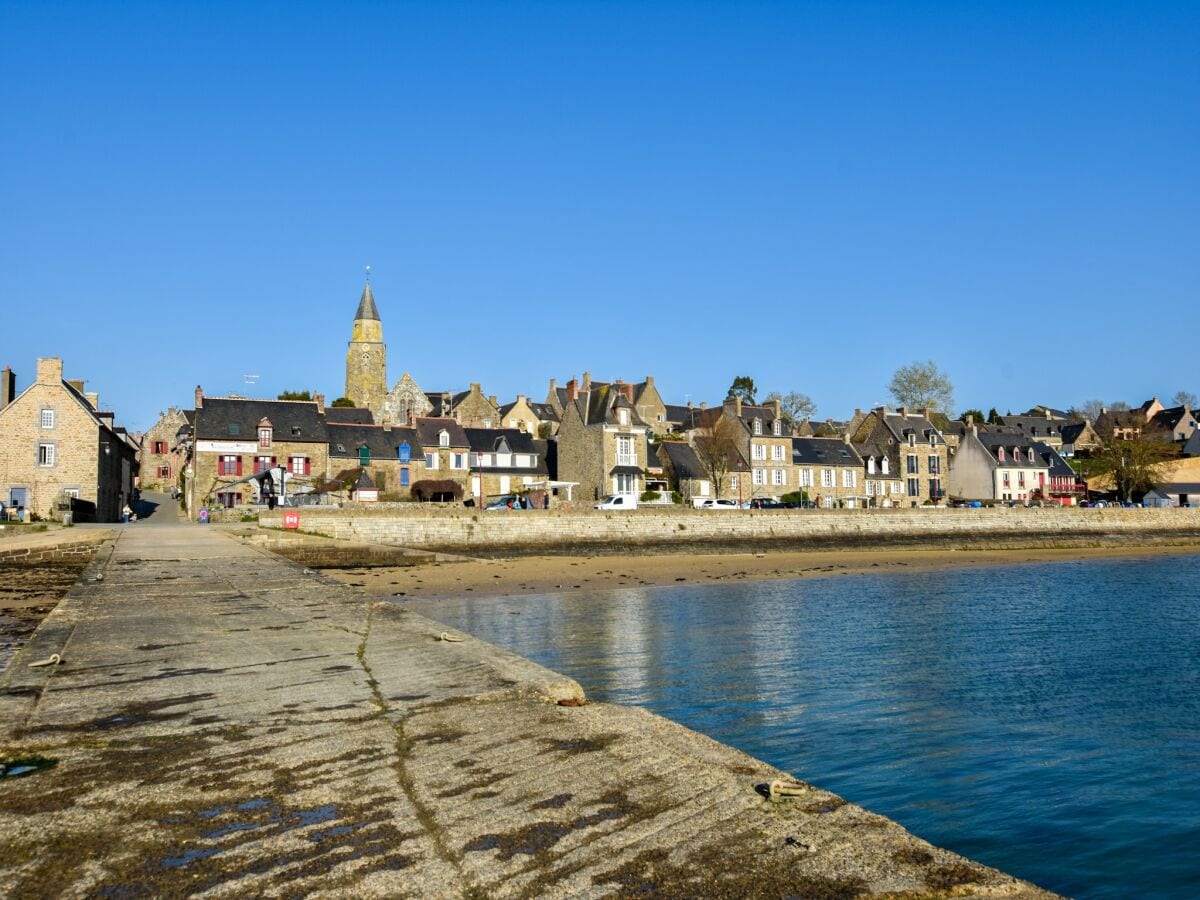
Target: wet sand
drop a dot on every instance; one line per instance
(553, 574)
(27, 595)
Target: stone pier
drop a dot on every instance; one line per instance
(224, 722)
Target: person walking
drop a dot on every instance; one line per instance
(126, 512)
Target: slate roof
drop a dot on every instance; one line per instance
(1034, 426)
(366, 305)
(816, 451)
(384, 443)
(350, 415)
(1040, 412)
(913, 423)
(680, 415)
(485, 440)
(1169, 419)
(599, 405)
(992, 442)
(1192, 445)
(1058, 465)
(1071, 431)
(229, 419)
(684, 460)
(429, 427)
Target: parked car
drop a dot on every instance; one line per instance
(509, 501)
(718, 503)
(770, 503)
(618, 501)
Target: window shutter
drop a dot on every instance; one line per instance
(307, 466)
(239, 466)
(274, 462)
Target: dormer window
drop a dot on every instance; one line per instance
(234, 428)
(870, 465)
(912, 439)
(758, 426)
(623, 416)
(405, 452)
(364, 455)
(883, 465)
(295, 431)
(443, 438)
(264, 434)
(777, 427)
(1000, 454)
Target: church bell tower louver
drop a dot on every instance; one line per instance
(366, 358)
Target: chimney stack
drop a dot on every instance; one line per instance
(492, 400)
(587, 381)
(904, 412)
(970, 419)
(703, 404)
(649, 381)
(199, 398)
(93, 399)
(738, 405)
(49, 370)
(78, 383)
(319, 399)
(8, 387)
(627, 390)
(778, 407)
(927, 412)
(553, 386)
(572, 390)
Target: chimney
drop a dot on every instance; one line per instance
(704, 404)
(926, 412)
(199, 398)
(553, 386)
(974, 427)
(689, 404)
(520, 398)
(649, 381)
(738, 405)
(572, 390)
(8, 387)
(319, 399)
(78, 384)
(587, 381)
(778, 407)
(846, 438)
(904, 412)
(971, 420)
(627, 391)
(49, 370)
(492, 400)
(170, 412)
(93, 399)
(475, 388)
(857, 413)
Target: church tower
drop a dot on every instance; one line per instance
(366, 360)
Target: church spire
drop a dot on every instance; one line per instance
(366, 305)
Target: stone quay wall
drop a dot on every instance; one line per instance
(52, 548)
(682, 530)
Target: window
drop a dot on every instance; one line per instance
(758, 451)
(806, 478)
(295, 431)
(914, 487)
(623, 416)
(735, 482)
(913, 466)
(431, 460)
(849, 478)
(912, 440)
(364, 455)
(777, 428)
(626, 454)
(405, 452)
(871, 465)
(897, 488)
(159, 448)
(935, 488)
(264, 438)
(46, 454)
(262, 463)
(870, 488)
(777, 452)
(229, 465)
(1000, 454)
(1005, 480)
(460, 461)
(935, 465)
(404, 477)
(760, 476)
(443, 438)
(1020, 479)
(73, 493)
(703, 488)
(827, 478)
(47, 418)
(299, 465)
(779, 476)
(884, 465)
(758, 426)
(234, 428)
(164, 471)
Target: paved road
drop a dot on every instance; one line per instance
(224, 722)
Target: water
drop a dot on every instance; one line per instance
(1043, 719)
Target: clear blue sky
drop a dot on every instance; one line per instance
(808, 193)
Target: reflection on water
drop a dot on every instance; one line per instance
(1044, 719)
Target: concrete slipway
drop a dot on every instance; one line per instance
(224, 722)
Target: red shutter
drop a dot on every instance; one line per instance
(274, 462)
(239, 466)
(307, 466)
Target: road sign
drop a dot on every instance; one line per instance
(291, 519)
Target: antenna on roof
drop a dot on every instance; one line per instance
(250, 379)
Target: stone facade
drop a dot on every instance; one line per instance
(474, 410)
(916, 449)
(56, 446)
(162, 459)
(602, 441)
(405, 403)
(830, 471)
(366, 358)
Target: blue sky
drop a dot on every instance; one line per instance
(808, 193)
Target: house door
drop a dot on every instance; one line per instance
(18, 497)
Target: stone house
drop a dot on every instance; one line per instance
(235, 437)
(1079, 439)
(830, 471)
(684, 471)
(507, 460)
(921, 451)
(643, 396)
(881, 481)
(602, 441)
(445, 450)
(163, 458)
(995, 466)
(1175, 423)
(538, 419)
(763, 440)
(473, 410)
(59, 449)
(1045, 428)
(405, 402)
(392, 455)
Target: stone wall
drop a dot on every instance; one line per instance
(74, 547)
(686, 530)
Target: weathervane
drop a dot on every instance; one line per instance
(368, 274)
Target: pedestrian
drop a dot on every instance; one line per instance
(126, 512)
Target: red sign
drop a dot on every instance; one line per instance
(291, 520)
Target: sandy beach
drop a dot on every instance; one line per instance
(552, 574)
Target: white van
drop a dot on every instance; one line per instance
(618, 501)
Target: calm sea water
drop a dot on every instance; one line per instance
(1043, 719)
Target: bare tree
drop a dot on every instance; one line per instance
(1135, 465)
(922, 384)
(718, 451)
(796, 407)
(1089, 410)
(1184, 398)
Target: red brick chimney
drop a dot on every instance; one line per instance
(627, 391)
(199, 397)
(904, 412)
(572, 390)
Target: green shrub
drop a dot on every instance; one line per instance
(797, 497)
(676, 497)
(649, 496)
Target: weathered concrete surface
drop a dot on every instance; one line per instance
(319, 552)
(226, 724)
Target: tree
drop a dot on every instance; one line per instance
(976, 415)
(1184, 398)
(295, 395)
(1119, 406)
(718, 451)
(1135, 465)
(343, 402)
(796, 407)
(993, 417)
(743, 386)
(920, 385)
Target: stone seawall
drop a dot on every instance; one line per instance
(480, 533)
(50, 547)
